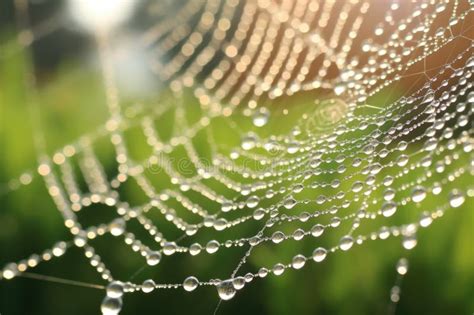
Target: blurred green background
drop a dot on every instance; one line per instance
(71, 97)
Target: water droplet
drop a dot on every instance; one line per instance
(389, 208)
(289, 203)
(319, 254)
(226, 290)
(346, 243)
(148, 286)
(277, 237)
(117, 227)
(389, 194)
(470, 97)
(10, 271)
(335, 183)
(388, 180)
(238, 283)
(253, 201)
(321, 199)
(226, 206)
(431, 144)
(115, 289)
(456, 198)
(212, 246)
(153, 258)
(379, 30)
(440, 7)
(262, 272)
(409, 241)
(395, 294)
(298, 188)
(111, 306)
(195, 249)
(190, 283)
(335, 221)
(402, 145)
(357, 186)
(220, 224)
(384, 233)
(260, 118)
(436, 189)
(293, 147)
(425, 219)
(254, 240)
(59, 249)
(278, 269)
(298, 261)
(418, 194)
(317, 230)
(298, 234)
(402, 266)
(402, 160)
(169, 248)
(470, 63)
(258, 214)
(80, 240)
(339, 89)
(249, 142)
(272, 146)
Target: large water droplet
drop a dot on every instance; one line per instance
(260, 118)
(238, 283)
(117, 227)
(346, 243)
(169, 248)
(249, 142)
(335, 222)
(298, 261)
(402, 160)
(148, 286)
(409, 241)
(212, 246)
(425, 219)
(289, 203)
(418, 194)
(389, 194)
(115, 289)
(319, 254)
(470, 62)
(190, 283)
(317, 230)
(195, 249)
(278, 269)
(357, 186)
(339, 89)
(402, 266)
(470, 97)
(153, 258)
(277, 237)
(226, 290)
(111, 306)
(253, 201)
(293, 147)
(431, 144)
(456, 198)
(389, 208)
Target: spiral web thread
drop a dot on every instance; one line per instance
(344, 165)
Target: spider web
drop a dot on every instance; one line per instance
(226, 175)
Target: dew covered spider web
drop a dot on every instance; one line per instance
(270, 130)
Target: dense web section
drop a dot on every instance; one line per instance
(349, 164)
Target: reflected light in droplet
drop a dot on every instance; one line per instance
(100, 14)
